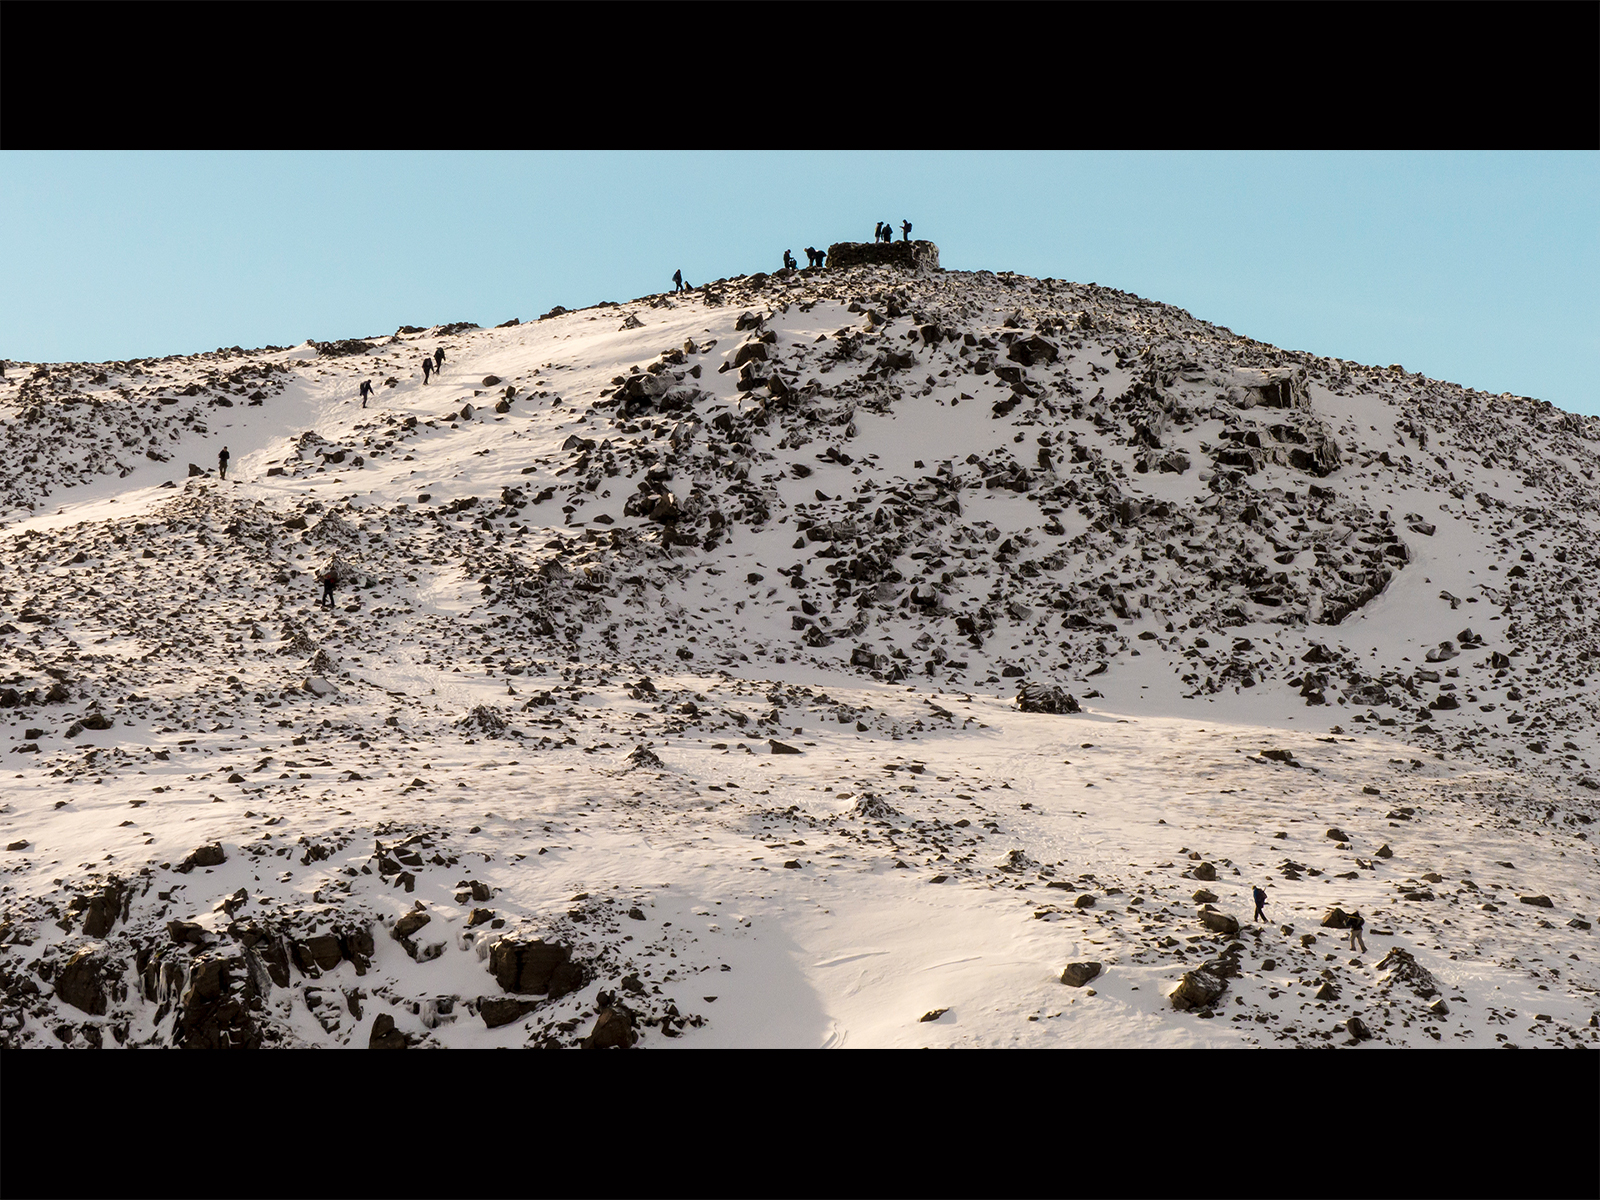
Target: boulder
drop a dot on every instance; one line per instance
(1032, 350)
(1205, 872)
(534, 968)
(209, 855)
(1336, 918)
(1079, 973)
(385, 1036)
(613, 1029)
(503, 1010)
(1197, 989)
(1218, 922)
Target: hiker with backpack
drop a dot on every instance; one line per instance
(328, 578)
(222, 462)
(366, 391)
(427, 368)
(1356, 926)
(438, 361)
(1261, 903)
(677, 282)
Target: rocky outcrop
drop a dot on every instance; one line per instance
(535, 968)
(911, 256)
(1045, 698)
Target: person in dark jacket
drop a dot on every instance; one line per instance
(222, 462)
(427, 368)
(366, 391)
(1261, 902)
(1357, 924)
(788, 260)
(877, 232)
(328, 578)
(905, 230)
(438, 360)
(677, 281)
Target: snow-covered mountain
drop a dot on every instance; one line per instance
(830, 657)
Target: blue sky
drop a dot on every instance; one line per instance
(1480, 268)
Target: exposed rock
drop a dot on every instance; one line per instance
(914, 256)
(385, 1036)
(209, 855)
(535, 968)
(1197, 989)
(613, 1029)
(503, 1010)
(1406, 969)
(86, 978)
(1218, 922)
(1045, 698)
(1079, 973)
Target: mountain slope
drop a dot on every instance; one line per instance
(844, 513)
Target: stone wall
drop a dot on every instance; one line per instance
(910, 256)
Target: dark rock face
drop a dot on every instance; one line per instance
(86, 979)
(535, 968)
(1336, 918)
(912, 256)
(105, 907)
(385, 1036)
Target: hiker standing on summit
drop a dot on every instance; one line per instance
(905, 230)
